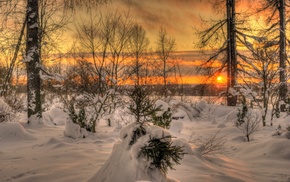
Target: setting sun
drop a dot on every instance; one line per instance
(221, 80)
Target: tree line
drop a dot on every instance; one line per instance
(116, 45)
(33, 29)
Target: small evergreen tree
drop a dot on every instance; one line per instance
(242, 112)
(164, 120)
(162, 154)
(142, 107)
(159, 150)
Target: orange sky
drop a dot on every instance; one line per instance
(179, 17)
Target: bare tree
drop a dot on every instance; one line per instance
(277, 24)
(138, 48)
(165, 46)
(221, 37)
(259, 71)
(250, 124)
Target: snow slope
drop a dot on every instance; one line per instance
(44, 153)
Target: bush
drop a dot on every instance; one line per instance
(79, 118)
(251, 123)
(141, 106)
(158, 149)
(5, 110)
(162, 154)
(164, 120)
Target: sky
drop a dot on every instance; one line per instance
(179, 17)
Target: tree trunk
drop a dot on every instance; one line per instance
(231, 52)
(32, 64)
(282, 55)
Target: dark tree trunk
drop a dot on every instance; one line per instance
(282, 55)
(32, 64)
(231, 52)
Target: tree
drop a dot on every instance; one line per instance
(32, 61)
(259, 71)
(231, 50)
(8, 75)
(33, 49)
(277, 26)
(220, 36)
(138, 47)
(165, 47)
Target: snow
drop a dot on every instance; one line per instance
(31, 153)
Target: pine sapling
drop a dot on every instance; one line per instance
(164, 120)
(162, 153)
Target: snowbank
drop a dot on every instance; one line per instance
(56, 115)
(126, 156)
(14, 131)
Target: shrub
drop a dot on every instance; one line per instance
(251, 123)
(141, 106)
(164, 120)
(162, 154)
(79, 117)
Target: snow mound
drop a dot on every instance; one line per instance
(163, 106)
(14, 131)
(125, 156)
(275, 148)
(57, 115)
(202, 105)
(120, 118)
(53, 143)
(176, 126)
(72, 130)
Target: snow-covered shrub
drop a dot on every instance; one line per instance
(5, 110)
(162, 117)
(190, 109)
(251, 123)
(144, 156)
(78, 117)
(121, 117)
(87, 109)
(215, 144)
(74, 131)
(56, 114)
(158, 147)
(242, 112)
(15, 101)
(162, 154)
(288, 105)
(176, 126)
(201, 105)
(282, 132)
(141, 106)
(278, 131)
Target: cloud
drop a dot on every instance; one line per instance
(177, 16)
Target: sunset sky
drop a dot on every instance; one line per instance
(179, 17)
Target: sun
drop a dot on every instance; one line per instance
(220, 79)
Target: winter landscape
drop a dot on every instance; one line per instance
(144, 91)
(53, 152)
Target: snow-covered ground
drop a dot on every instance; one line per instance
(43, 153)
